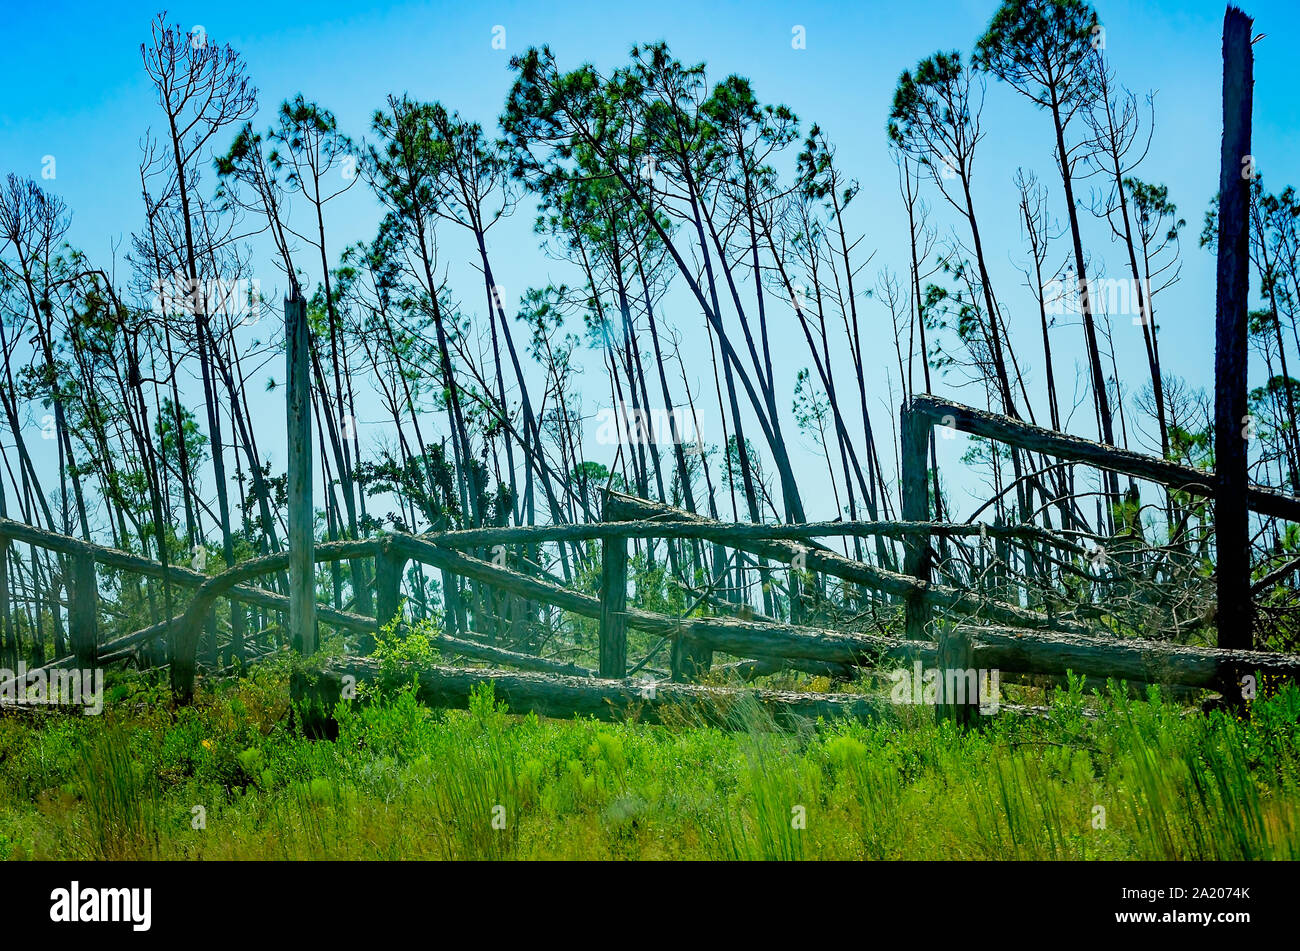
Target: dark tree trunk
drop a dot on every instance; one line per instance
(1231, 516)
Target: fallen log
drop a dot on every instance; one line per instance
(1013, 432)
(185, 642)
(120, 647)
(1009, 649)
(763, 666)
(468, 538)
(1156, 662)
(732, 635)
(114, 558)
(561, 697)
(822, 559)
(479, 651)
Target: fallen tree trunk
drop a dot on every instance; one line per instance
(118, 560)
(447, 644)
(818, 558)
(1003, 648)
(185, 641)
(560, 697)
(732, 635)
(119, 647)
(461, 539)
(1134, 660)
(978, 422)
(763, 666)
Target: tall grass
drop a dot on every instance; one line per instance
(121, 815)
(1102, 776)
(473, 787)
(1191, 791)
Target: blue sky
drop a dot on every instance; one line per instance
(73, 88)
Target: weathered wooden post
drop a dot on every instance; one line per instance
(8, 643)
(302, 567)
(1231, 421)
(955, 655)
(613, 594)
(83, 605)
(613, 607)
(1002, 565)
(389, 565)
(914, 432)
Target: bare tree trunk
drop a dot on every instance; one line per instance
(1231, 516)
(302, 568)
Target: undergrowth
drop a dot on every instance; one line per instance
(232, 776)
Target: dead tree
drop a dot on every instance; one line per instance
(1231, 515)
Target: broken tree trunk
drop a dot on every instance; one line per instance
(449, 645)
(185, 629)
(914, 431)
(818, 558)
(389, 565)
(554, 695)
(735, 636)
(689, 659)
(82, 609)
(1231, 419)
(1125, 659)
(613, 606)
(955, 653)
(302, 566)
(978, 422)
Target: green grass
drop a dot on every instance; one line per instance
(231, 777)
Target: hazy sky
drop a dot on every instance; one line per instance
(73, 88)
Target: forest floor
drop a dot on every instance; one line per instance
(231, 776)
